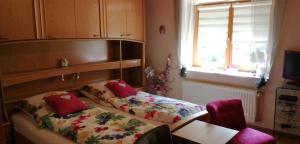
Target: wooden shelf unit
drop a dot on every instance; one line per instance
(133, 62)
(12, 79)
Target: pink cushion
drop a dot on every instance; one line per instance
(64, 104)
(251, 136)
(121, 89)
(227, 113)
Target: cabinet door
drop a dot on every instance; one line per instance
(17, 20)
(87, 15)
(59, 16)
(115, 18)
(4, 18)
(135, 19)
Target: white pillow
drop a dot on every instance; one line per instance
(99, 93)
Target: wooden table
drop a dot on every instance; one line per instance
(204, 133)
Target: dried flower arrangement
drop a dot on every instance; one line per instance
(158, 82)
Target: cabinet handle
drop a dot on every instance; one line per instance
(96, 35)
(129, 34)
(50, 37)
(122, 35)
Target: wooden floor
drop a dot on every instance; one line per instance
(287, 140)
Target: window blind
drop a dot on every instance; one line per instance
(250, 33)
(212, 35)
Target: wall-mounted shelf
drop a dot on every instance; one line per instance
(131, 63)
(16, 78)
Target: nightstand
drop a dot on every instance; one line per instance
(199, 132)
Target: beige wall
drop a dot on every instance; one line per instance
(159, 46)
(289, 40)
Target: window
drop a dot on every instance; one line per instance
(227, 36)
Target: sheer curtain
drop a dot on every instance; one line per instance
(186, 32)
(266, 32)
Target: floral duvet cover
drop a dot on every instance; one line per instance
(155, 107)
(96, 126)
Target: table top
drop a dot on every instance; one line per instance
(205, 133)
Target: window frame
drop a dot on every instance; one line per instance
(228, 53)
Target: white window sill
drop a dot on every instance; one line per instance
(230, 72)
(230, 77)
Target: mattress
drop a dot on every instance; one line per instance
(24, 125)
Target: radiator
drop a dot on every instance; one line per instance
(202, 93)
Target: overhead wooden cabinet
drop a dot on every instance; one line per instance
(115, 18)
(17, 20)
(135, 19)
(59, 19)
(124, 19)
(87, 14)
(71, 19)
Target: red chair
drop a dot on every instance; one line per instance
(230, 114)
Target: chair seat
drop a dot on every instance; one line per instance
(252, 136)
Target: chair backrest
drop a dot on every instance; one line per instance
(227, 113)
(158, 135)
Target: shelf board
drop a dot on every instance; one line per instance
(12, 79)
(131, 63)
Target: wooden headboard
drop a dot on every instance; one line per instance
(32, 67)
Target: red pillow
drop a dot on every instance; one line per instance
(64, 104)
(121, 88)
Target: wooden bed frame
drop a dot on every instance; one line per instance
(33, 67)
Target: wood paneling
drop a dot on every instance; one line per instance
(31, 56)
(115, 18)
(133, 76)
(4, 18)
(17, 92)
(87, 15)
(59, 19)
(17, 20)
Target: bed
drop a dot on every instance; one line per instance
(25, 129)
(139, 103)
(29, 68)
(25, 126)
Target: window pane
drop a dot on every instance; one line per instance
(212, 35)
(250, 34)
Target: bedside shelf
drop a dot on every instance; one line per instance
(131, 63)
(12, 79)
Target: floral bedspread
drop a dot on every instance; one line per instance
(96, 126)
(155, 107)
